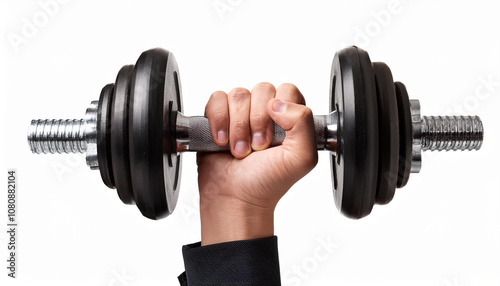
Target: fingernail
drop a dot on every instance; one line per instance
(279, 106)
(222, 136)
(258, 140)
(241, 147)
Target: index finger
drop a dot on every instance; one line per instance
(217, 112)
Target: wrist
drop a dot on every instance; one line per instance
(228, 219)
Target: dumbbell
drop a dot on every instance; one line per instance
(136, 133)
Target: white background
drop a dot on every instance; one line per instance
(443, 228)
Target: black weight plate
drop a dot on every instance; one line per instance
(120, 161)
(155, 97)
(388, 123)
(405, 134)
(353, 95)
(172, 103)
(103, 135)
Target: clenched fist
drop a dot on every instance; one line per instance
(239, 190)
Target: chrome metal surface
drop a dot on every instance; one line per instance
(193, 134)
(451, 133)
(331, 132)
(66, 135)
(91, 135)
(442, 133)
(416, 122)
(57, 136)
(182, 136)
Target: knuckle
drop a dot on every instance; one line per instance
(239, 125)
(265, 86)
(216, 113)
(219, 114)
(292, 91)
(306, 113)
(217, 94)
(216, 104)
(258, 120)
(288, 87)
(239, 94)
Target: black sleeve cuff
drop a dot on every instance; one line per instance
(246, 262)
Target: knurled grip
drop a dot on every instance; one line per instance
(199, 137)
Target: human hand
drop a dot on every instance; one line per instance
(239, 190)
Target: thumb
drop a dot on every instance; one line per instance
(300, 142)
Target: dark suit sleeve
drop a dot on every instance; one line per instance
(246, 262)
